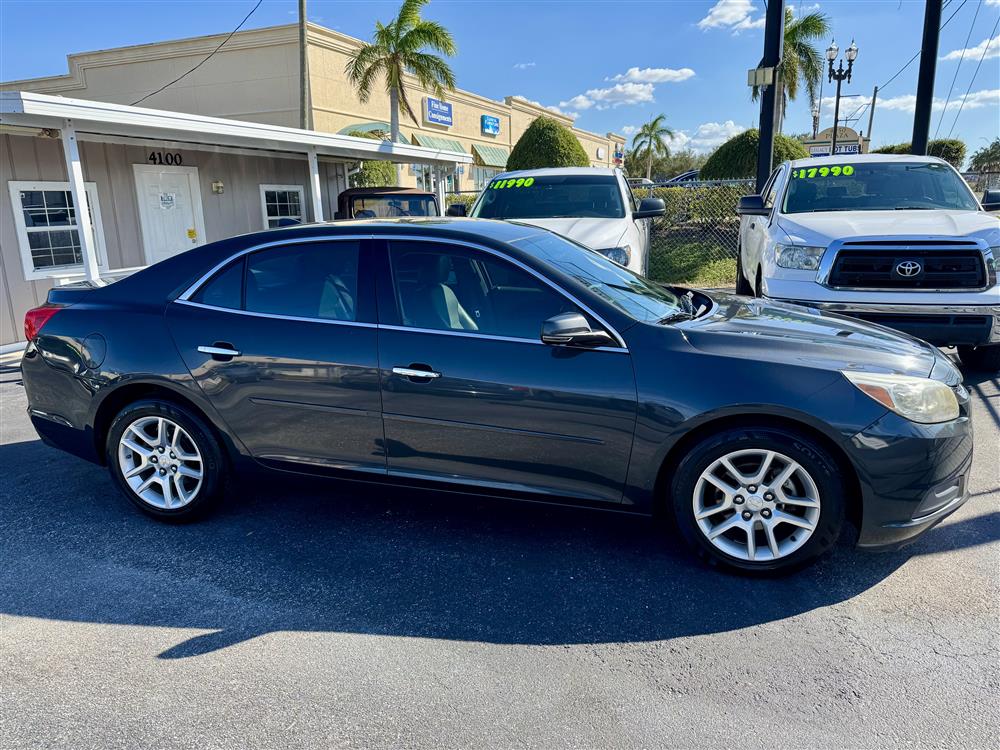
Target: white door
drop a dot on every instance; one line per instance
(169, 210)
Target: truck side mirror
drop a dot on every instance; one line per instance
(650, 208)
(752, 205)
(456, 209)
(991, 200)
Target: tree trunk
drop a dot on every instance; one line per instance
(394, 115)
(779, 102)
(649, 163)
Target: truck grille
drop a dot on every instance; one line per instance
(909, 265)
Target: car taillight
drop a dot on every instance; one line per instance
(37, 317)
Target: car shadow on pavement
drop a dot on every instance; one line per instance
(287, 554)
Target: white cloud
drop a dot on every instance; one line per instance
(612, 96)
(908, 102)
(710, 135)
(803, 10)
(653, 75)
(990, 46)
(523, 66)
(731, 14)
(629, 129)
(549, 107)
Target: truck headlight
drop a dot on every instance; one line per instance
(799, 257)
(918, 399)
(620, 255)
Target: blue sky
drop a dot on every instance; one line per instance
(612, 64)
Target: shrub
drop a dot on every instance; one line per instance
(951, 150)
(373, 173)
(465, 198)
(737, 157)
(547, 143)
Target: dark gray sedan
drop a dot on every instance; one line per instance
(499, 358)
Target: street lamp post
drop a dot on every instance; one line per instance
(839, 75)
(815, 116)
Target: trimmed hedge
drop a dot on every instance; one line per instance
(547, 143)
(737, 157)
(951, 150)
(467, 198)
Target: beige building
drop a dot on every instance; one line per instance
(255, 77)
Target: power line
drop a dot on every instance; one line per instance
(958, 68)
(976, 73)
(209, 57)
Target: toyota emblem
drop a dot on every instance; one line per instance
(908, 268)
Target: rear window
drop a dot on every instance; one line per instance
(390, 206)
(550, 197)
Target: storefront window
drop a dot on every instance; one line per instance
(482, 175)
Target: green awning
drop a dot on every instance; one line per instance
(439, 143)
(368, 127)
(490, 156)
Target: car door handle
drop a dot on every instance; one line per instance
(752, 225)
(412, 372)
(219, 351)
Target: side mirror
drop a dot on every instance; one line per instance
(752, 205)
(338, 216)
(991, 200)
(649, 208)
(572, 329)
(456, 209)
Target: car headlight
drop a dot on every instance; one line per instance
(620, 255)
(918, 399)
(799, 257)
(993, 266)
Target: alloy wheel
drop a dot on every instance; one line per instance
(756, 505)
(160, 462)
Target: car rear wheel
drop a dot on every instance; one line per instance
(742, 285)
(165, 460)
(758, 500)
(986, 358)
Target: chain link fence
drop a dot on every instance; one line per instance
(696, 241)
(982, 181)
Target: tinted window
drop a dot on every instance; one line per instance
(316, 280)
(551, 196)
(225, 289)
(390, 206)
(440, 287)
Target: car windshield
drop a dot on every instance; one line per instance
(635, 296)
(876, 186)
(551, 196)
(387, 206)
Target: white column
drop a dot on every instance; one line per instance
(439, 172)
(74, 170)
(314, 185)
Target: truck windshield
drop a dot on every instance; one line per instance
(387, 206)
(550, 197)
(877, 186)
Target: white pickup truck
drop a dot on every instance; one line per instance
(895, 240)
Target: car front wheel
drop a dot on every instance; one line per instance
(759, 500)
(986, 358)
(165, 460)
(742, 285)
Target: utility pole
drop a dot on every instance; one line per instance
(871, 115)
(925, 78)
(774, 38)
(305, 111)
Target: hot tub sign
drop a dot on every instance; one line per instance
(437, 112)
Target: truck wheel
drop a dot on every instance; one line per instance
(742, 285)
(986, 358)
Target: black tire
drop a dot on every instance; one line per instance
(212, 460)
(985, 358)
(758, 286)
(742, 285)
(815, 460)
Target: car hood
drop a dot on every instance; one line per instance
(597, 234)
(797, 335)
(822, 228)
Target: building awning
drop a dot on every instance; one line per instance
(370, 127)
(30, 109)
(490, 156)
(438, 143)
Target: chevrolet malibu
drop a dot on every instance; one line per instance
(500, 358)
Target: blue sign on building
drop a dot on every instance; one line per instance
(437, 112)
(490, 125)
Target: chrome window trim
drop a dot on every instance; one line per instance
(185, 297)
(545, 280)
(276, 316)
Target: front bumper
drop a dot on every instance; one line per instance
(941, 325)
(912, 476)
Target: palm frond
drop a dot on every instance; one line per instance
(409, 14)
(428, 34)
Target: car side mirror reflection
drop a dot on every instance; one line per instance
(650, 208)
(752, 205)
(573, 329)
(991, 200)
(456, 209)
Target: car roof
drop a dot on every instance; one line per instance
(819, 161)
(560, 171)
(351, 192)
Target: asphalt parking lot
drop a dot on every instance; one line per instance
(309, 615)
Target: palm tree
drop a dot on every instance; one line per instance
(801, 61)
(401, 47)
(648, 141)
